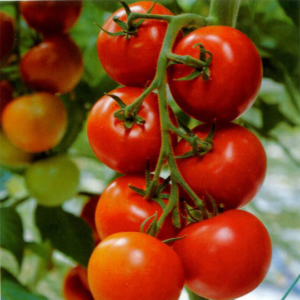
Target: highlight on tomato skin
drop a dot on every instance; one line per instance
(51, 17)
(133, 265)
(7, 35)
(35, 122)
(231, 173)
(75, 286)
(55, 65)
(226, 256)
(235, 75)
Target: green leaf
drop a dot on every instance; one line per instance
(67, 233)
(11, 232)
(12, 290)
(292, 9)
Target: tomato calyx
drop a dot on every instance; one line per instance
(128, 117)
(201, 65)
(199, 147)
(130, 27)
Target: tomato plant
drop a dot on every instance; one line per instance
(7, 35)
(121, 209)
(52, 181)
(131, 60)
(235, 75)
(225, 257)
(51, 17)
(146, 264)
(76, 285)
(55, 65)
(232, 172)
(35, 122)
(125, 150)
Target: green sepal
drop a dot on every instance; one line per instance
(119, 33)
(186, 155)
(214, 205)
(171, 240)
(152, 229)
(159, 201)
(196, 73)
(117, 99)
(164, 196)
(137, 24)
(137, 190)
(126, 7)
(188, 131)
(162, 186)
(120, 23)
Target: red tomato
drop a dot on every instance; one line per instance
(232, 172)
(133, 265)
(88, 214)
(126, 150)
(55, 65)
(225, 257)
(36, 122)
(236, 74)
(51, 17)
(132, 61)
(7, 35)
(76, 285)
(6, 95)
(121, 209)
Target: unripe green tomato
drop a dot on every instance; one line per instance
(12, 157)
(52, 181)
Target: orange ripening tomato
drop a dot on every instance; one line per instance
(51, 17)
(36, 122)
(133, 265)
(6, 95)
(76, 285)
(7, 35)
(55, 65)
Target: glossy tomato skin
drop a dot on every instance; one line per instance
(236, 74)
(232, 172)
(35, 122)
(7, 35)
(133, 265)
(76, 285)
(225, 257)
(120, 209)
(126, 150)
(132, 61)
(51, 17)
(6, 95)
(55, 65)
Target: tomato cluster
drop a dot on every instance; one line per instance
(223, 254)
(33, 118)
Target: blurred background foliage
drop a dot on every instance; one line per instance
(39, 244)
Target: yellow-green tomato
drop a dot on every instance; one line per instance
(52, 181)
(12, 157)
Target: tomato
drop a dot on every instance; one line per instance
(52, 181)
(88, 214)
(225, 257)
(132, 61)
(12, 157)
(133, 265)
(7, 35)
(55, 65)
(236, 74)
(6, 95)
(126, 150)
(51, 17)
(121, 209)
(232, 172)
(35, 122)
(76, 285)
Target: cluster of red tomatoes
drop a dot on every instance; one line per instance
(222, 257)
(35, 121)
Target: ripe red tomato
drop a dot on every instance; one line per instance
(7, 35)
(120, 209)
(126, 150)
(133, 265)
(6, 95)
(236, 74)
(88, 214)
(132, 61)
(225, 257)
(76, 285)
(36, 122)
(51, 17)
(232, 172)
(55, 65)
